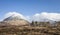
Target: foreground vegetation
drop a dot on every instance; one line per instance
(35, 28)
(29, 30)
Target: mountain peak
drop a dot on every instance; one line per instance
(14, 16)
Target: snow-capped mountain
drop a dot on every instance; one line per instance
(15, 16)
(15, 19)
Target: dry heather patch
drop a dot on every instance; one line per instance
(28, 30)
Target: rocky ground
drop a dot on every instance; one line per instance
(29, 30)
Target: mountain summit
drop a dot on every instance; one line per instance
(14, 16)
(15, 19)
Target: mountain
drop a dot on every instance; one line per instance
(15, 19)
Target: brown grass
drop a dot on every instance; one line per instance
(29, 30)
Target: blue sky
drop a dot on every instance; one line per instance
(29, 7)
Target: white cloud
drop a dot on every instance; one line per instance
(36, 17)
(13, 14)
(44, 16)
(28, 18)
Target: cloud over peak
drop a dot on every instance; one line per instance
(43, 16)
(14, 14)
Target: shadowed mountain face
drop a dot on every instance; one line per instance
(13, 18)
